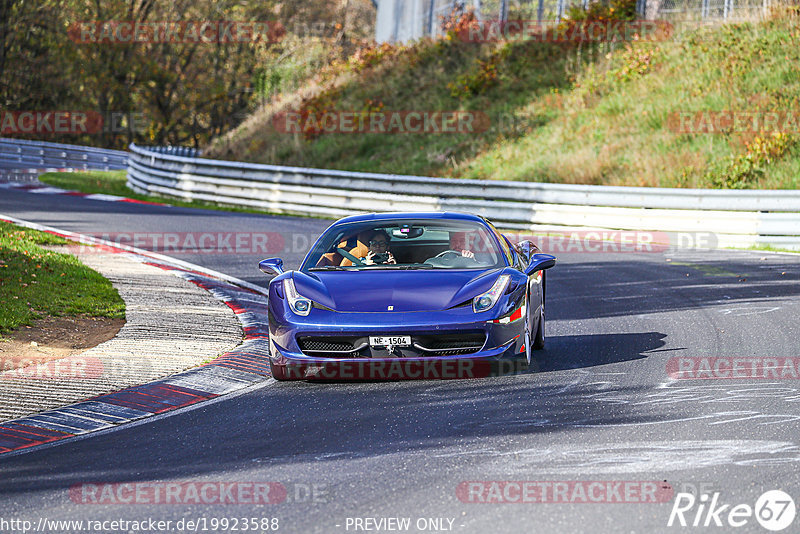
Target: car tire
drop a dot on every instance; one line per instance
(538, 341)
(528, 348)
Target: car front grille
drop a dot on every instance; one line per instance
(317, 344)
(433, 344)
(450, 344)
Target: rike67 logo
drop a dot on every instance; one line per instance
(774, 510)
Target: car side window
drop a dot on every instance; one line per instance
(516, 256)
(503, 245)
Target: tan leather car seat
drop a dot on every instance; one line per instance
(329, 258)
(360, 250)
(333, 258)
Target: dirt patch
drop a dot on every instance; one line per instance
(51, 338)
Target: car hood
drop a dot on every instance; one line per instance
(404, 291)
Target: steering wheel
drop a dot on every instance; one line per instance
(446, 252)
(448, 257)
(349, 256)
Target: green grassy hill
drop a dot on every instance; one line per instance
(568, 113)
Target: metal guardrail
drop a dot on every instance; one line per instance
(737, 217)
(24, 154)
(184, 151)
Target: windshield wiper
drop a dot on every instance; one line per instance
(378, 267)
(401, 267)
(329, 268)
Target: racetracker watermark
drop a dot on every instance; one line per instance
(381, 122)
(554, 242)
(70, 122)
(69, 368)
(726, 122)
(617, 241)
(403, 369)
(492, 31)
(177, 31)
(201, 523)
(77, 367)
(563, 492)
(203, 242)
(598, 241)
(733, 368)
(213, 492)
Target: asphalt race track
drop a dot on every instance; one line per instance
(599, 407)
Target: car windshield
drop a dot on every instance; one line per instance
(405, 244)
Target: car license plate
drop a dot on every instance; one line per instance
(395, 341)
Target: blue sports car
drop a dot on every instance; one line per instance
(407, 295)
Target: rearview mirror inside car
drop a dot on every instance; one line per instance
(408, 232)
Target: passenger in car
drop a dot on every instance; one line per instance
(379, 252)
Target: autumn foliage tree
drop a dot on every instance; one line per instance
(55, 56)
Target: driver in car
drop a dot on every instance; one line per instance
(379, 252)
(458, 243)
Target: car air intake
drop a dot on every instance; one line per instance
(330, 345)
(449, 344)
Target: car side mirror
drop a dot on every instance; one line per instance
(271, 266)
(540, 262)
(525, 249)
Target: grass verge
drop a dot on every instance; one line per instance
(105, 182)
(770, 248)
(35, 281)
(597, 113)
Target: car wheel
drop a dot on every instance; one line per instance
(538, 341)
(528, 351)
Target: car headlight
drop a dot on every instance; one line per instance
(299, 304)
(486, 301)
